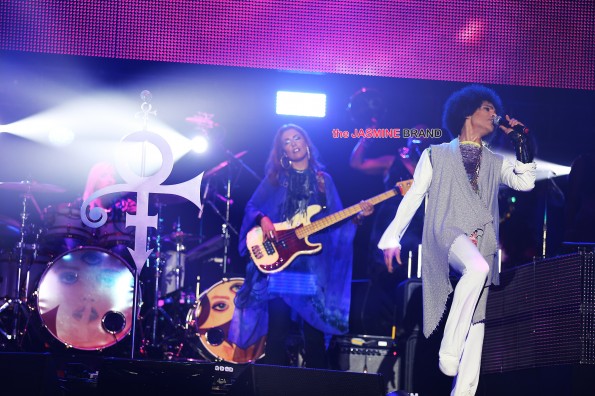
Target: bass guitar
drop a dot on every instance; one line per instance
(292, 235)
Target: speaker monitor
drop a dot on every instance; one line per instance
(264, 380)
(409, 308)
(409, 323)
(28, 374)
(542, 315)
(368, 354)
(134, 377)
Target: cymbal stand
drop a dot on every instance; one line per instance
(156, 310)
(19, 303)
(180, 248)
(226, 226)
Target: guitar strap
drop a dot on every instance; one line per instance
(321, 188)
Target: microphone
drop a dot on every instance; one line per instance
(499, 120)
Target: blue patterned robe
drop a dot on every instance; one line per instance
(317, 287)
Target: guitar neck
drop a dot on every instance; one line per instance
(342, 214)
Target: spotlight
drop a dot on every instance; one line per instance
(199, 144)
(301, 104)
(60, 137)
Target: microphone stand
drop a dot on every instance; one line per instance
(233, 158)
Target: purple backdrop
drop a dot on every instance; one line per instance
(547, 43)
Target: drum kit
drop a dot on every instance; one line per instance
(78, 283)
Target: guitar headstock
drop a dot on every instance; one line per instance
(404, 186)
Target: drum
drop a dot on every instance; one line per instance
(85, 298)
(114, 233)
(63, 229)
(172, 275)
(209, 320)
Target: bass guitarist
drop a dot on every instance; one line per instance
(314, 288)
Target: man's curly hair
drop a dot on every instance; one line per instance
(464, 102)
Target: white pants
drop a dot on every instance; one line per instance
(460, 350)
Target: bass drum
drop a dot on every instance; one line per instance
(85, 298)
(209, 319)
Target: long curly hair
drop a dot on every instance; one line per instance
(464, 102)
(273, 166)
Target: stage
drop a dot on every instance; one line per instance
(134, 135)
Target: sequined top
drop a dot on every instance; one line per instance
(471, 153)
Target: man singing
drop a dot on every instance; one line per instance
(461, 181)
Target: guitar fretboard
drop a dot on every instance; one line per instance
(328, 221)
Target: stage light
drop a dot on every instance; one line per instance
(98, 121)
(199, 144)
(301, 104)
(60, 137)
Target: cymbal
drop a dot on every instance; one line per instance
(30, 186)
(222, 165)
(180, 236)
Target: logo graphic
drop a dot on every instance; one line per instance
(143, 187)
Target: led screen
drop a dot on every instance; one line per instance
(547, 43)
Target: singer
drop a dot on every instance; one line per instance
(460, 180)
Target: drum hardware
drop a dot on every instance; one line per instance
(172, 272)
(25, 249)
(156, 310)
(179, 237)
(226, 226)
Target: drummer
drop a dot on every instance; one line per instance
(114, 234)
(64, 229)
(101, 175)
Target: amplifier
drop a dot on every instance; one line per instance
(542, 314)
(367, 354)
